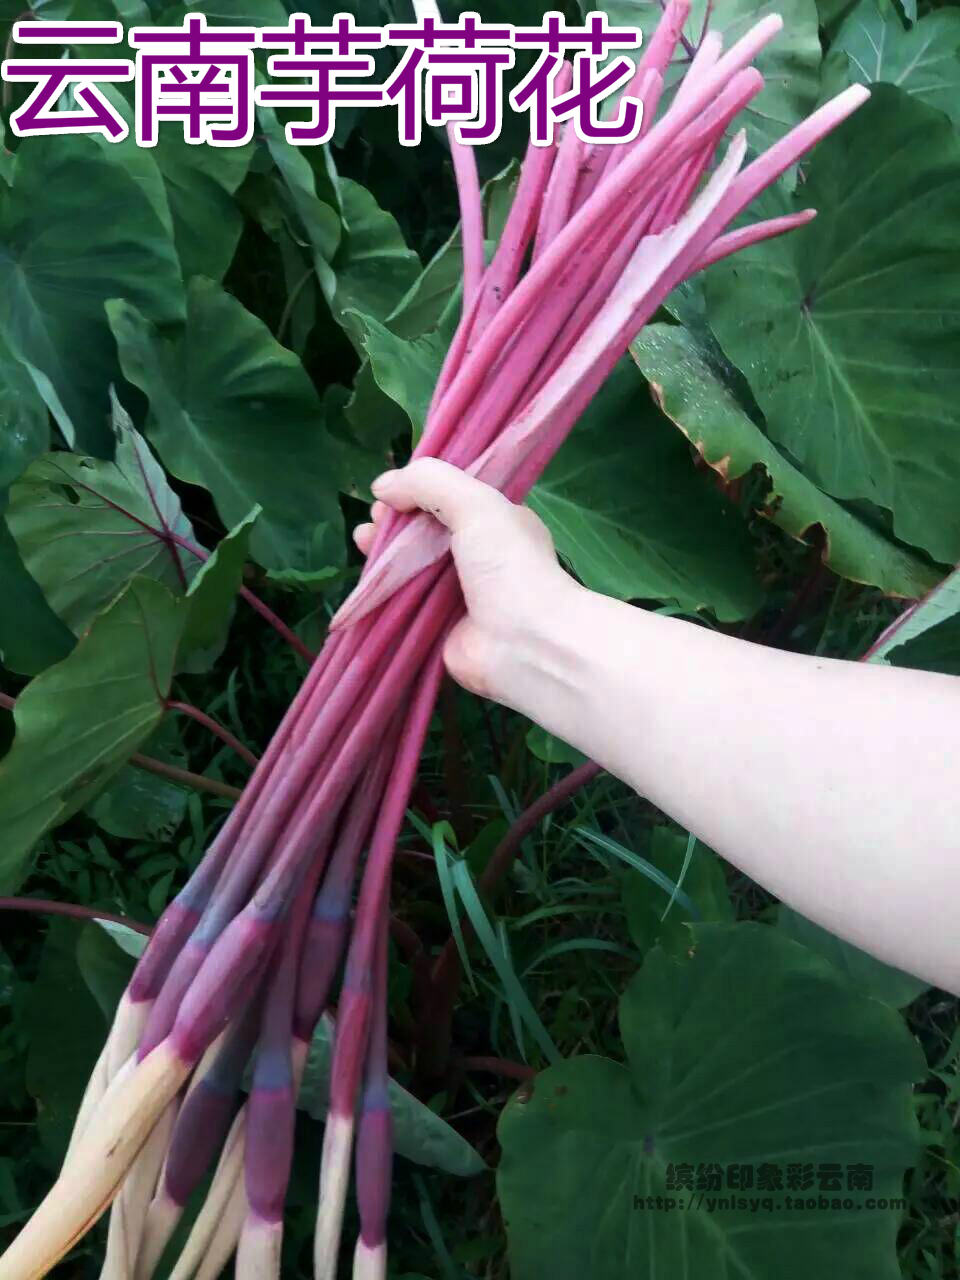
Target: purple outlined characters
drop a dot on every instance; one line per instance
(457, 71)
(321, 88)
(208, 85)
(593, 82)
(39, 114)
(447, 74)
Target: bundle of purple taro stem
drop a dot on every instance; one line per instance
(204, 1059)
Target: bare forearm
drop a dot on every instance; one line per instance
(832, 784)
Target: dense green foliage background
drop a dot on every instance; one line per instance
(214, 351)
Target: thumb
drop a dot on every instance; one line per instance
(467, 655)
(453, 497)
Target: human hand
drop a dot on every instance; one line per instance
(511, 580)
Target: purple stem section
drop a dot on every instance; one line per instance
(585, 222)
(184, 913)
(577, 285)
(354, 1008)
(343, 692)
(611, 339)
(582, 381)
(647, 86)
(496, 284)
(745, 186)
(207, 1111)
(743, 237)
(271, 1107)
(296, 753)
(469, 406)
(442, 607)
(235, 959)
(329, 921)
(662, 45)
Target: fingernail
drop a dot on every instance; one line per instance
(382, 483)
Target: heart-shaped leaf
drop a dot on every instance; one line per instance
(372, 268)
(405, 369)
(200, 184)
(873, 45)
(76, 229)
(848, 330)
(749, 1060)
(863, 971)
(31, 635)
(628, 511)
(211, 597)
(694, 385)
(78, 722)
(86, 527)
(232, 410)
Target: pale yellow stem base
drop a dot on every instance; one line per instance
(116, 1132)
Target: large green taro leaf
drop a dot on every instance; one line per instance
(404, 368)
(190, 187)
(79, 721)
(748, 1051)
(372, 268)
(200, 184)
(76, 229)
(832, 11)
(873, 45)
(24, 421)
(232, 410)
(260, 13)
(85, 527)
(31, 635)
(6, 157)
(790, 63)
(695, 387)
(314, 219)
(848, 330)
(631, 515)
(211, 598)
(862, 970)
